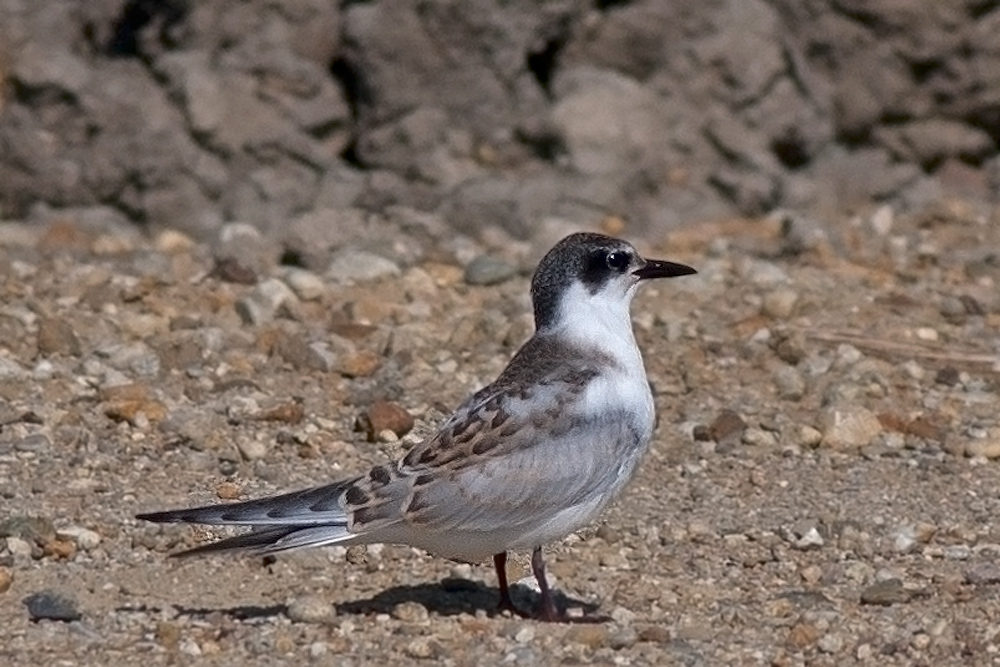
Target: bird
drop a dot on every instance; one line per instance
(525, 461)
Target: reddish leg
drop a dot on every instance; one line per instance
(548, 612)
(500, 563)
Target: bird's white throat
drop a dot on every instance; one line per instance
(601, 321)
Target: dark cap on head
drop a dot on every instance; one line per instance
(593, 259)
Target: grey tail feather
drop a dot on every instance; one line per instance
(258, 541)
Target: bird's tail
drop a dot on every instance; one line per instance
(310, 518)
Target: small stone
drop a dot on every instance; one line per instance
(56, 336)
(348, 266)
(171, 241)
(228, 490)
(905, 541)
(524, 634)
(728, 426)
(53, 606)
(830, 643)
(310, 609)
(926, 333)
(302, 355)
(948, 376)
(386, 415)
(758, 437)
(920, 641)
(885, 593)
(356, 554)
(988, 448)
(957, 552)
(136, 412)
(19, 548)
(265, 301)
(233, 270)
(811, 574)
(411, 612)
(84, 538)
(307, 285)
(655, 634)
(983, 574)
(60, 548)
(623, 638)
(252, 449)
(850, 427)
(780, 303)
(789, 382)
(591, 636)
(810, 539)
(488, 270)
(803, 635)
(168, 634)
(808, 437)
(359, 364)
(423, 648)
(189, 647)
(6, 579)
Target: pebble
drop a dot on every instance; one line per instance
(265, 301)
(488, 270)
(811, 574)
(56, 336)
(810, 539)
(728, 426)
(303, 355)
(803, 635)
(351, 265)
(809, 437)
(830, 643)
(983, 574)
(411, 612)
(361, 363)
(252, 449)
(758, 437)
(307, 285)
(885, 593)
(957, 552)
(591, 636)
(988, 448)
(849, 427)
(310, 609)
(228, 490)
(789, 382)
(780, 303)
(423, 648)
(50, 605)
(6, 579)
(19, 548)
(84, 538)
(386, 415)
(10, 369)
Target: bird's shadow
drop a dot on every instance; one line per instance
(454, 596)
(449, 597)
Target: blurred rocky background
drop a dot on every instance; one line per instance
(320, 122)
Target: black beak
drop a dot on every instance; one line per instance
(656, 268)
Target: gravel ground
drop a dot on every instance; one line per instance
(821, 488)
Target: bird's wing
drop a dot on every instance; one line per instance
(515, 458)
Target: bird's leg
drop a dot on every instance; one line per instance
(500, 563)
(549, 612)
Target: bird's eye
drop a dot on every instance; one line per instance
(619, 261)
